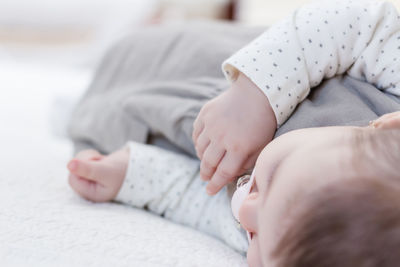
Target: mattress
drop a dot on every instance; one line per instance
(42, 221)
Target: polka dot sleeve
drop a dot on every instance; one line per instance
(169, 184)
(156, 178)
(322, 40)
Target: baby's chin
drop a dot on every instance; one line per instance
(253, 255)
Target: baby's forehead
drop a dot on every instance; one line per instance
(307, 166)
(310, 171)
(316, 163)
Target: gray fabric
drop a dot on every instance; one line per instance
(341, 101)
(151, 86)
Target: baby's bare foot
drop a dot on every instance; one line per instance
(97, 177)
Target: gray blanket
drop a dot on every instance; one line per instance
(151, 85)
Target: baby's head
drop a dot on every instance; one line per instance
(355, 223)
(326, 197)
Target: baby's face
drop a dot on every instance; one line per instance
(287, 170)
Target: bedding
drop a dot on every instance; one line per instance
(73, 32)
(42, 221)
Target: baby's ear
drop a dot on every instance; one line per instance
(387, 121)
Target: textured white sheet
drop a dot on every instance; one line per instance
(43, 223)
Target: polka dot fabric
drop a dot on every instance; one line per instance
(319, 41)
(169, 184)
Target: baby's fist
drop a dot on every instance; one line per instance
(97, 177)
(230, 131)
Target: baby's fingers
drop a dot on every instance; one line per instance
(388, 121)
(91, 170)
(201, 144)
(198, 127)
(228, 169)
(89, 190)
(211, 158)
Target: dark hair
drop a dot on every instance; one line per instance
(354, 222)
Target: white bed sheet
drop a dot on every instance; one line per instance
(43, 223)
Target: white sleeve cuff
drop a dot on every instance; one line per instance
(274, 67)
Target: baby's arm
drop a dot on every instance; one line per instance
(161, 181)
(168, 184)
(318, 41)
(156, 178)
(138, 174)
(322, 40)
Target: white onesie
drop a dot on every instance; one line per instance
(324, 39)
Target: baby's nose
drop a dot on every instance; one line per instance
(248, 213)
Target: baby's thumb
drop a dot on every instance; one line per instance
(90, 170)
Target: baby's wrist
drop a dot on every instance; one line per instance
(251, 92)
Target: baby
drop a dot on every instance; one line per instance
(354, 197)
(270, 77)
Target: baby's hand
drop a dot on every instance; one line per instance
(230, 131)
(97, 177)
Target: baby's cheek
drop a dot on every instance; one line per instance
(253, 254)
